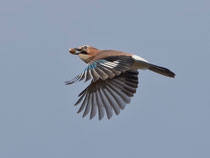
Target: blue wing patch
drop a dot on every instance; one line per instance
(94, 64)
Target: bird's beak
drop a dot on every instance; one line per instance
(74, 51)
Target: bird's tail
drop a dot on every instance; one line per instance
(161, 70)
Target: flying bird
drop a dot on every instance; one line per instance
(114, 79)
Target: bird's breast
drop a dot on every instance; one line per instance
(85, 58)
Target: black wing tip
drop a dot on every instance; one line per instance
(68, 82)
(91, 117)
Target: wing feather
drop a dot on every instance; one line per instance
(99, 104)
(108, 95)
(105, 104)
(106, 68)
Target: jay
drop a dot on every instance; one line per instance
(114, 79)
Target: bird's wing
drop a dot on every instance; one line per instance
(105, 68)
(108, 95)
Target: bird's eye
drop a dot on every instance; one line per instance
(83, 52)
(85, 47)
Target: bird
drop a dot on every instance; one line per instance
(113, 79)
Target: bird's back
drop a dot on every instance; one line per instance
(107, 53)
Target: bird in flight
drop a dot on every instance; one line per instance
(114, 79)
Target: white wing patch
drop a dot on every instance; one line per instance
(138, 58)
(139, 63)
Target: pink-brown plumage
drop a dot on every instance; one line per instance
(114, 79)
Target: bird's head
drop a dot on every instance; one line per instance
(85, 52)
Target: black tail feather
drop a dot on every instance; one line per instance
(161, 70)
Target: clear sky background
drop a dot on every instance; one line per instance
(167, 118)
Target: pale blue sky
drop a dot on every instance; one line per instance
(167, 118)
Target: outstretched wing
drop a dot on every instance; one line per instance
(106, 68)
(108, 95)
